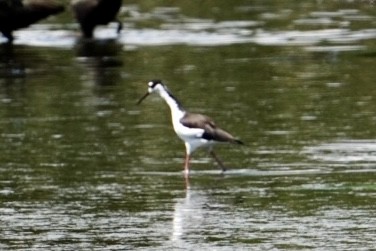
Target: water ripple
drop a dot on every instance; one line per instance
(344, 151)
(204, 34)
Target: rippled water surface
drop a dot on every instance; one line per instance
(82, 167)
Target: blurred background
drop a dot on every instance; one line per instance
(83, 167)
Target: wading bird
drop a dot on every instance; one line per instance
(196, 130)
(17, 14)
(90, 13)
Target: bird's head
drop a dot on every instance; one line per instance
(153, 86)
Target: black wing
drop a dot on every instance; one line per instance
(211, 131)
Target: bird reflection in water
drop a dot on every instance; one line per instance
(101, 60)
(188, 215)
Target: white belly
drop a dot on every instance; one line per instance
(192, 137)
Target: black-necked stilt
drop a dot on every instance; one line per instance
(196, 130)
(90, 13)
(17, 14)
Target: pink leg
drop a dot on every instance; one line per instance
(187, 184)
(186, 165)
(220, 163)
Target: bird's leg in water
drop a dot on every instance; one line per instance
(218, 160)
(120, 26)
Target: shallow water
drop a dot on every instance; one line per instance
(84, 168)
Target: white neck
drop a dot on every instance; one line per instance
(177, 112)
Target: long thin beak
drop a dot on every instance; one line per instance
(142, 98)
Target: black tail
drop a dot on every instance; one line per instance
(239, 142)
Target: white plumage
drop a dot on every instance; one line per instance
(196, 130)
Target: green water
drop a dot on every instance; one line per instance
(82, 167)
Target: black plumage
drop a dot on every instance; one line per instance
(17, 14)
(211, 131)
(196, 130)
(90, 13)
